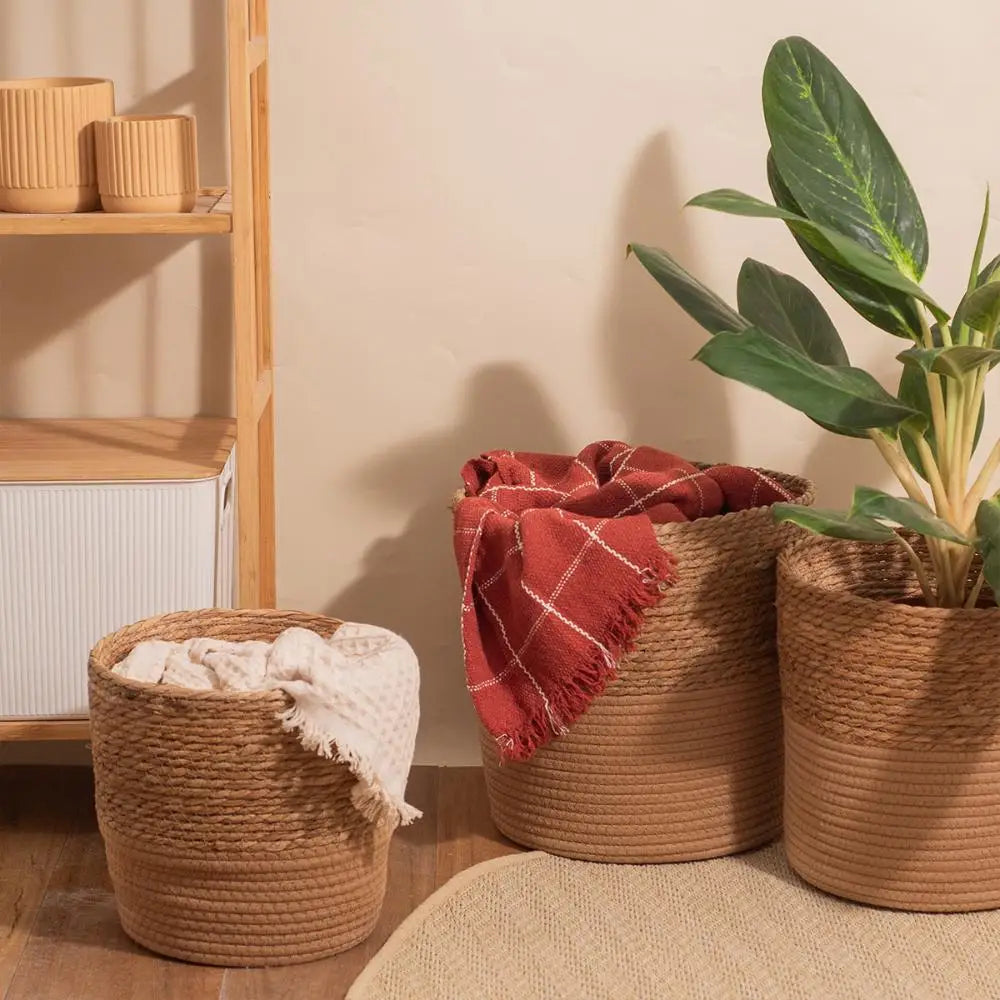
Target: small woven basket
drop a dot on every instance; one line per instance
(227, 842)
(892, 732)
(679, 758)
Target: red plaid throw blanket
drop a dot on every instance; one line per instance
(558, 560)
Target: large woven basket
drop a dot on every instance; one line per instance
(227, 842)
(892, 733)
(680, 758)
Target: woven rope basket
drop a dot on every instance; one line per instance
(680, 758)
(892, 733)
(227, 842)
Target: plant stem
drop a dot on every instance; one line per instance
(979, 488)
(918, 565)
(956, 426)
(939, 413)
(896, 461)
(977, 588)
(941, 498)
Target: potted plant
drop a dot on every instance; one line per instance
(888, 636)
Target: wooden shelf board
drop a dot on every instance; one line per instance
(44, 729)
(212, 214)
(147, 449)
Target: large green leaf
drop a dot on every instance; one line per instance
(889, 310)
(908, 513)
(836, 160)
(833, 523)
(954, 362)
(842, 249)
(783, 307)
(699, 302)
(987, 273)
(977, 256)
(839, 395)
(988, 542)
(980, 308)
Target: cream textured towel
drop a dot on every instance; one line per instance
(355, 696)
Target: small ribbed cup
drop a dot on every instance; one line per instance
(147, 163)
(47, 161)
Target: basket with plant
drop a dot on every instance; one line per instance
(888, 635)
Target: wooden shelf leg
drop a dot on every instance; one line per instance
(261, 136)
(248, 115)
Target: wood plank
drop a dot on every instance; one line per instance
(466, 834)
(114, 450)
(260, 176)
(33, 830)
(43, 729)
(267, 593)
(209, 217)
(244, 306)
(77, 948)
(256, 52)
(412, 878)
(262, 393)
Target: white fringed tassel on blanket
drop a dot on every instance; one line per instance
(355, 699)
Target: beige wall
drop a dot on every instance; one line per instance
(454, 184)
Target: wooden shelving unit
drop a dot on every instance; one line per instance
(213, 213)
(241, 211)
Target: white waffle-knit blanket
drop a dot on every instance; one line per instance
(355, 696)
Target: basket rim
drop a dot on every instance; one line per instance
(795, 570)
(806, 493)
(98, 667)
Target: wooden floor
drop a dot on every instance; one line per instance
(59, 933)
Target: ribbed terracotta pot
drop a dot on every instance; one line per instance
(680, 757)
(147, 163)
(892, 732)
(47, 161)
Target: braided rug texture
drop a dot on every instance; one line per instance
(537, 927)
(892, 732)
(227, 842)
(680, 757)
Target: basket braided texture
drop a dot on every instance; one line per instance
(227, 842)
(892, 732)
(680, 757)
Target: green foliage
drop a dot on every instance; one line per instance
(786, 309)
(988, 540)
(904, 512)
(838, 186)
(834, 523)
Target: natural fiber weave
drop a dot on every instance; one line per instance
(535, 927)
(227, 842)
(892, 733)
(680, 758)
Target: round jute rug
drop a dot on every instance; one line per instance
(537, 927)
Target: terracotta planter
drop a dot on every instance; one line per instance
(892, 733)
(147, 163)
(47, 161)
(680, 758)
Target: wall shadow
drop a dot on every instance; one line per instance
(409, 582)
(47, 284)
(647, 340)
